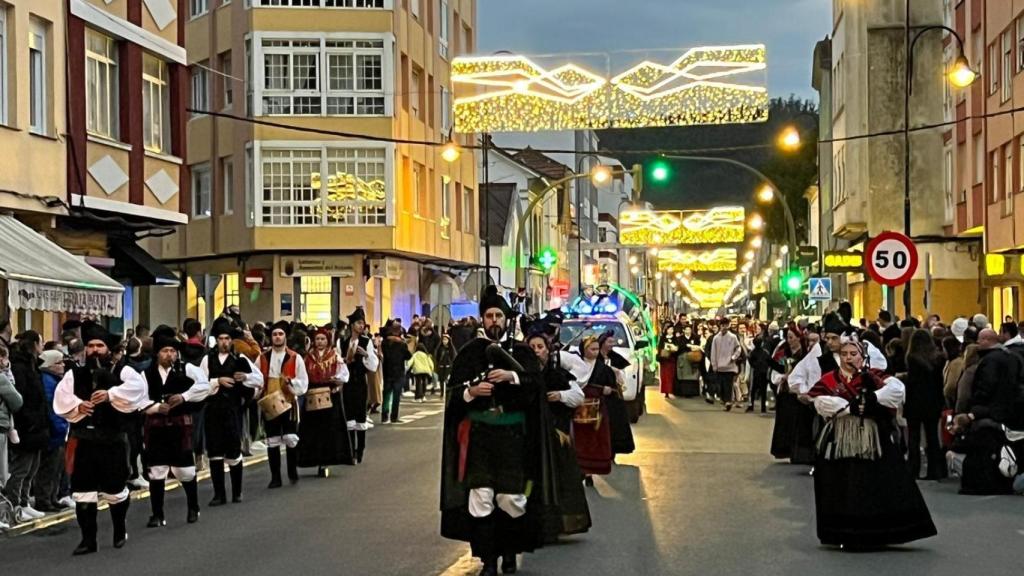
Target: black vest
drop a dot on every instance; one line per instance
(356, 369)
(238, 393)
(105, 418)
(827, 362)
(177, 383)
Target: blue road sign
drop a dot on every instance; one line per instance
(820, 289)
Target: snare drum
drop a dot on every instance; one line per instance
(274, 404)
(318, 399)
(589, 412)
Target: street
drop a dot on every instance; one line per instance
(700, 496)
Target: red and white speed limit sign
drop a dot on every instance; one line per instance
(891, 259)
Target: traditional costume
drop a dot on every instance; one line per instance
(618, 414)
(97, 449)
(492, 459)
(863, 492)
(787, 406)
(323, 438)
(167, 434)
(591, 425)
(224, 412)
(285, 378)
(361, 378)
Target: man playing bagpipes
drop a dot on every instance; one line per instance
(491, 459)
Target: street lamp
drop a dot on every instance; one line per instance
(961, 74)
(766, 194)
(756, 222)
(450, 152)
(756, 242)
(789, 139)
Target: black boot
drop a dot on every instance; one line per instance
(508, 564)
(156, 502)
(191, 489)
(291, 456)
(86, 515)
(118, 515)
(360, 445)
(236, 483)
(274, 460)
(490, 567)
(217, 480)
(353, 440)
(483, 546)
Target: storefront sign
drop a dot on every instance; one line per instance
(34, 296)
(843, 261)
(342, 267)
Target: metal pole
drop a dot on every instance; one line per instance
(520, 273)
(909, 62)
(487, 205)
(579, 239)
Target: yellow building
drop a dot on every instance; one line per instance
(290, 220)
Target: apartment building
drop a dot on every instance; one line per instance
(289, 219)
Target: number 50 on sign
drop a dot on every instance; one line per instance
(891, 259)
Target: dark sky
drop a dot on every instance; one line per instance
(789, 29)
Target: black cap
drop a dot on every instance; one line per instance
(357, 315)
(165, 337)
(282, 325)
(221, 327)
(93, 331)
(491, 299)
(831, 324)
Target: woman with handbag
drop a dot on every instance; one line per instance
(689, 363)
(667, 352)
(323, 439)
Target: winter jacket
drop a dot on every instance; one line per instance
(58, 424)
(725, 352)
(10, 402)
(995, 388)
(395, 352)
(924, 398)
(32, 421)
(422, 363)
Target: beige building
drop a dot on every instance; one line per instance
(867, 188)
(90, 162)
(301, 223)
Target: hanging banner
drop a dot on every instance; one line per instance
(35, 296)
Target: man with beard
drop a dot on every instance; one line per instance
(94, 399)
(361, 358)
(284, 373)
(492, 451)
(177, 391)
(234, 380)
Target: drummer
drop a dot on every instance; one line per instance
(285, 376)
(591, 426)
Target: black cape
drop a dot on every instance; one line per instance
(470, 363)
(618, 414)
(568, 512)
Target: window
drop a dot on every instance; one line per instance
(446, 110)
(38, 100)
(467, 210)
(198, 7)
(227, 170)
(294, 193)
(979, 161)
(201, 193)
(231, 289)
(947, 185)
(292, 77)
(1020, 162)
(250, 200)
(996, 179)
(156, 105)
(101, 86)
(442, 33)
(321, 3)
(1020, 44)
(227, 79)
(414, 8)
(446, 207)
(993, 68)
(414, 199)
(415, 94)
(3, 64)
(248, 77)
(1007, 66)
(200, 88)
(1007, 179)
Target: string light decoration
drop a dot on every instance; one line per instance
(709, 293)
(348, 197)
(722, 225)
(717, 260)
(707, 85)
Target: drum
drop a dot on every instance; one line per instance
(318, 399)
(589, 412)
(274, 404)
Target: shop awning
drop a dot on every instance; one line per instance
(135, 265)
(43, 276)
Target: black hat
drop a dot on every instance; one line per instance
(357, 315)
(165, 337)
(831, 324)
(491, 299)
(282, 325)
(221, 326)
(93, 331)
(71, 325)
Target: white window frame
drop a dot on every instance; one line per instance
(1008, 66)
(446, 110)
(416, 8)
(197, 8)
(1007, 175)
(995, 159)
(250, 171)
(227, 79)
(947, 185)
(387, 67)
(1020, 43)
(993, 68)
(227, 172)
(443, 30)
(354, 92)
(331, 4)
(3, 64)
(199, 87)
(446, 206)
(202, 173)
(39, 99)
(416, 93)
(467, 225)
(102, 65)
(260, 147)
(157, 90)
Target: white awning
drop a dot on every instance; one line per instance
(43, 276)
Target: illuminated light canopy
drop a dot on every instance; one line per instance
(715, 226)
(513, 93)
(710, 294)
(718, 260)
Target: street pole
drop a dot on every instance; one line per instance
(908, 83)
(487, 206)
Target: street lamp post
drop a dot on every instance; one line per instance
(599, 175)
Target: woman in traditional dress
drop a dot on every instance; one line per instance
(668, 350)
(787, 354)
(570, 515)
(324, 439)
(591, 427)
(864, 494)
(688, 363)
(618, 414)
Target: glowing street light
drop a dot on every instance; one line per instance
(766, 194)
(749, 255)
(635, 270)
(600, 174)
(961, 74)
(789, 139)
(632, 260)
(784, 249)
(450, 152)
(756, 222)
(756, 242)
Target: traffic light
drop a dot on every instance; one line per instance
(792, 283)
(660, 171)
(547, 260)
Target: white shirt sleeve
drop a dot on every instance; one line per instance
(342, 374)
(371, 361)
(254, 379)
(300, 383)
(876, 359)
(200, 388)
(829, 406)
(572, 397)
(65, 403)
(131, 394)
(807, 372)
(891, 393)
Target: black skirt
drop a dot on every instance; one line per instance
(355, 395)
(99, 462)
(618, 419)
(804, 435)
(870, 503)
(784, 432)
(223, 428)
(323, 436)
(496, 459)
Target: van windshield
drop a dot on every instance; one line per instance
(574, 332)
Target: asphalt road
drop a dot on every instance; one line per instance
(700, 496)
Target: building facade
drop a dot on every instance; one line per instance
(290, 219)
(867, 189)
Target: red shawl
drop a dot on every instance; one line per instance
(835, 384)
(321, 368)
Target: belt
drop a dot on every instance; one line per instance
(498, 418)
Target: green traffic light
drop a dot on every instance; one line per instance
(660, 171)
(792, 282)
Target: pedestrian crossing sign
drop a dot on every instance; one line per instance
(820, 289)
